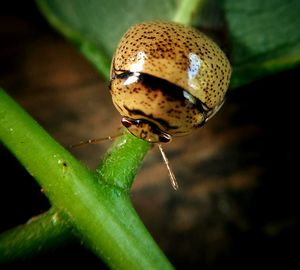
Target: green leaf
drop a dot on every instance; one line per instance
(96, 26)
(264, 36)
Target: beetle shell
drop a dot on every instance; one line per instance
(169, 77)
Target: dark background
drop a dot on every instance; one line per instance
(238, 202)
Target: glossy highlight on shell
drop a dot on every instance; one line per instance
(167, 80)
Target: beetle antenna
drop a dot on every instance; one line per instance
(171, 173)
(95, 141)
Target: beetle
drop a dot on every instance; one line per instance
(167, 80)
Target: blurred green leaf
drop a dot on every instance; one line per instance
(264, 36)
(96, 26)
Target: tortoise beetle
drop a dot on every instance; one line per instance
(167, 79)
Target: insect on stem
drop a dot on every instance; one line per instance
(171, 174)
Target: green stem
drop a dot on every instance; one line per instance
(36, 236)
(102, 214)
(186, 10)
(119, 170)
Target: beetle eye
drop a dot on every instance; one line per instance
(165, 138)
(126, 123)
